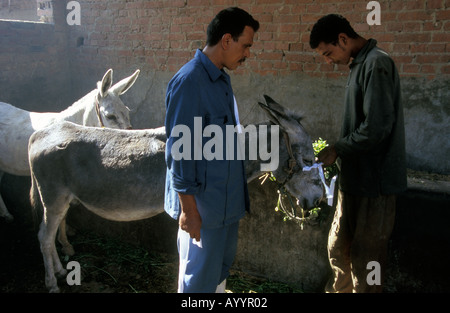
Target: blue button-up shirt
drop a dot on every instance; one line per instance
(200, 90)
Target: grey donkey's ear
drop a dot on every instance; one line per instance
(278, 114)
(272, 109)
(275, 107)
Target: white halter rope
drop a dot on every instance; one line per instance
(236, 114)
(328, 190)
(289, 209)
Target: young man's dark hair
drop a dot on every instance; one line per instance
(229, 21)
(328, 28)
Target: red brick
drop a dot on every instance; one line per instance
(413, 37)
(445, 69)
(421, 59)
(416, 48)
(441, 37)
(434, 4)
(415, 16)
(411, 68)
(426, 68)
(436, 48)
(443, 15)
(414, 5)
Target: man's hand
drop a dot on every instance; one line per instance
(327, 156)
(190, 220)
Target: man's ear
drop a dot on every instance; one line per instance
(343, 39)
(226, 41)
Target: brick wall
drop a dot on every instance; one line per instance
(163, 34)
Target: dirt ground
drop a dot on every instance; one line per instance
(107, 266)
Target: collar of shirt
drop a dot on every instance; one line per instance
(361, 56)
(212, 70)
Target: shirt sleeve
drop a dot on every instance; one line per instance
(378, 110)
(182, 105)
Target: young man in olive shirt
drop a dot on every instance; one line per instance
(370, 153)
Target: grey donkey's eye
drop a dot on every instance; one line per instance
(308, 162)
(111, 117)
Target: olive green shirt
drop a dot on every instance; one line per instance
(371, 148)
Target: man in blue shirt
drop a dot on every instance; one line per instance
(207, 196)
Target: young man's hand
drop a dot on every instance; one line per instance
(327, 156)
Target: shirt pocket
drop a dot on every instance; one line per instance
(215, 137)
(219, 120)
(353, 89)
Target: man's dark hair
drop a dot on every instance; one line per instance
(229, 21)
(328, 28)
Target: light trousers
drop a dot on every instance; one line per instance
(206, 264)
(359, 234)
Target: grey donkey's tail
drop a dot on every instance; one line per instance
(36, 204)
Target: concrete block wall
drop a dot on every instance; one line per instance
(35, 64)
(19, 10)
